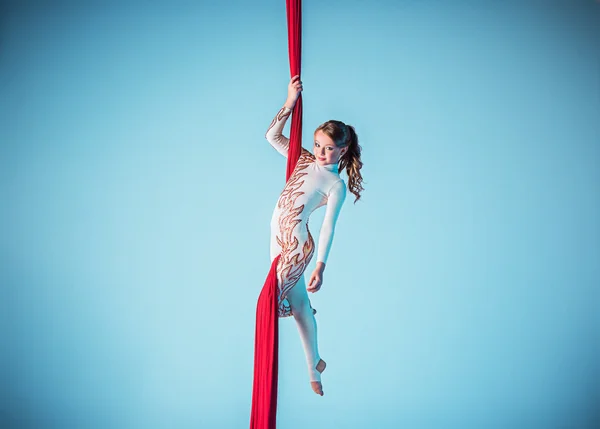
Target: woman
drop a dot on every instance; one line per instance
(314, 182)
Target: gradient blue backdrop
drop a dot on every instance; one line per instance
(137, 189)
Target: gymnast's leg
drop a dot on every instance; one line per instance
(307, 327)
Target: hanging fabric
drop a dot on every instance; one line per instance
(266, 342)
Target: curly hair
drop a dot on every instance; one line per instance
(345, 136)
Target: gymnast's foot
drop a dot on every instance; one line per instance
(317, 387)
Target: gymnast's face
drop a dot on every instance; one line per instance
(325, 149)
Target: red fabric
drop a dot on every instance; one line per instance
(266, 341)
(264, 392)
(294, 22)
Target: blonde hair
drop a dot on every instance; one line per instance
(345, 136)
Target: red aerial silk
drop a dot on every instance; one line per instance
(266, 342)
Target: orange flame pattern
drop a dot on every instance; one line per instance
(292, 263)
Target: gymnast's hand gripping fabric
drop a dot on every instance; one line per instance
(266, 342)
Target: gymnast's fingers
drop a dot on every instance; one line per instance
(315, 287)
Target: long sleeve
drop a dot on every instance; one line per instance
(336, 198)
(274, 134)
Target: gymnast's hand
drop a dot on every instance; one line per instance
(294, 89)
(316, 279)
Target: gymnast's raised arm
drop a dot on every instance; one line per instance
(274, 134)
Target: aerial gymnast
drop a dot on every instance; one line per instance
(315, 182)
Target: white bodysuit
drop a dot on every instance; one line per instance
(309, 187)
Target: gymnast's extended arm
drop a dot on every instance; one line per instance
(336, 198)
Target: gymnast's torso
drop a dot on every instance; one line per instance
(309, 187)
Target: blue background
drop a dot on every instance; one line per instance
(137, 189)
